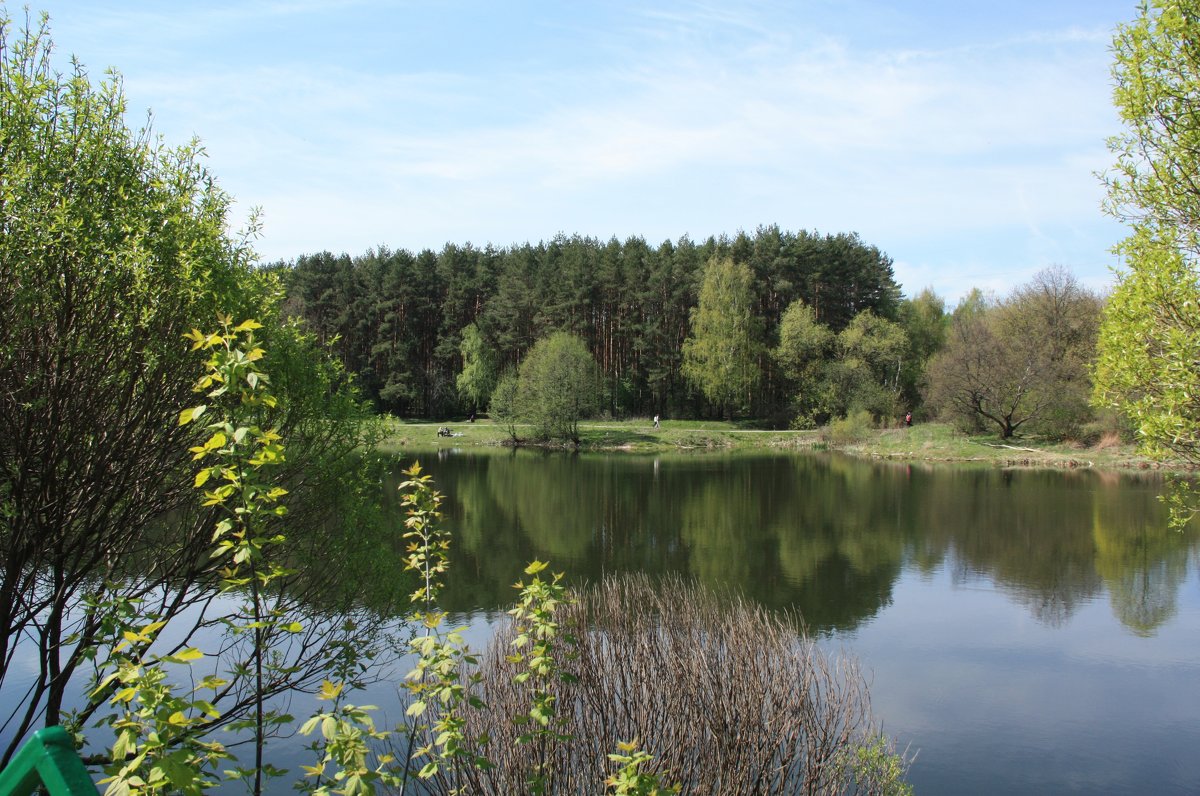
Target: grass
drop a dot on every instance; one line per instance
(938, 442)
(637, 435)
(928, 442)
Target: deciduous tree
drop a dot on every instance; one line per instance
(1150, 334)
(557, 387)
(1022, 362)
(112, 246)
(478, 376)
(721, 356)
(804, 346)
(865, 372)
(925, 323)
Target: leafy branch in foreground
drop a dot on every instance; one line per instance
(537, 631)
(159, 744)
(437, 678)
(346, 735)
(245, 454)
(630, 779)
(157, 749)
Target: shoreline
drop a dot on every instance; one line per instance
(930, 443)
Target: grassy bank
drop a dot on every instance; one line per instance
(928, 442)
(635, 436)
(937, 442)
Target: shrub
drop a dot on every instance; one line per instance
(557, 386)
(725, 696)
(850, 430)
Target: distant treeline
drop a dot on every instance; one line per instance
(396, 318)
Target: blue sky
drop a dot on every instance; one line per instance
(962, 138)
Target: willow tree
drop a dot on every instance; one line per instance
(721, 356)
(1150, 334)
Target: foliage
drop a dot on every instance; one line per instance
(1148, 341)
(852, 429)
(398, 319)
(503, 408)
(860, 368)
(157, 748)
(876, 761)
(1021, 362)
(163, 741)
(720, 356)
(630, 779)
(925, 324)
(478, 376)
(348, 739)
(804, 347)
(537, 631)
(111, 245)
(866, 369)
(247, 500)
(438, 677)
(1156, 71)
(556, 387)
(1150, 331)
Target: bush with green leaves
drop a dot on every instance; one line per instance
(852, 429)
(555, 387)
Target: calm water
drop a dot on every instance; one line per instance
(1028, 632)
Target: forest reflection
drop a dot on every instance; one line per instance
(825, 535)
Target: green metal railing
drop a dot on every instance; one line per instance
(48, 760)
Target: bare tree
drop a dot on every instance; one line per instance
(1023, 361)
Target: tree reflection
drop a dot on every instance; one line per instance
(827, 536)
(1142, 561)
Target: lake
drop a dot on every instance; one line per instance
(1025, 631)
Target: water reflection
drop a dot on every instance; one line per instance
(826, 535)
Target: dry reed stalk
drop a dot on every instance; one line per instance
(727, 696)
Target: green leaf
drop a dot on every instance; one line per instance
(188, 415)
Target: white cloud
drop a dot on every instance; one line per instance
(716, 116)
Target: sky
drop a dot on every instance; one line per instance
(963, 138)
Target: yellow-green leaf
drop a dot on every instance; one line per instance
(189, 654)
